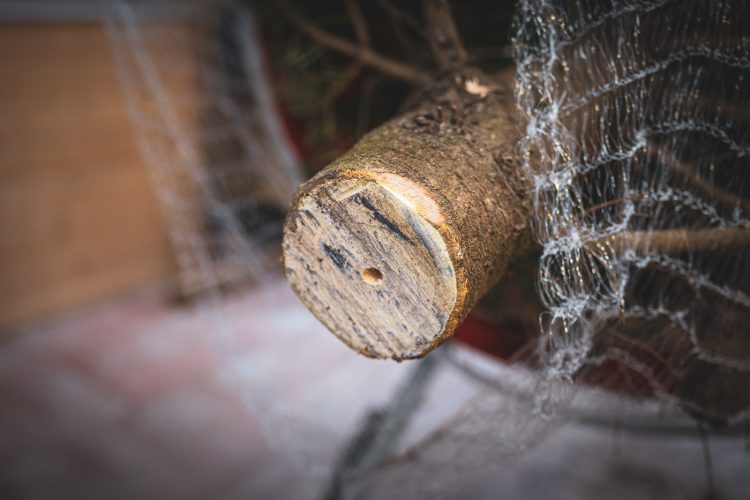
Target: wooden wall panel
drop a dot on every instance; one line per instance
(78, 219)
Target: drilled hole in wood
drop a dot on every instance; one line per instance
(372, 276)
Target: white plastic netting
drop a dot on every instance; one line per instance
(637, 141)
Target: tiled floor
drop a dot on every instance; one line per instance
(250, 398)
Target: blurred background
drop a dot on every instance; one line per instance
(149, 347)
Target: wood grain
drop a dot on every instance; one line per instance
(77, 216)
(391, 245)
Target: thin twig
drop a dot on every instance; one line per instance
(672, 241)
(358, 21)
(710, 484)
(442, 34)
(351, 72)
(402, 16)
(721, 195)
(386, 65)
(355, 68)
(380, 431)
(645, 347)
(365, 105)
(617, 437)
(610, 203)
(411, 51)
(488, 53)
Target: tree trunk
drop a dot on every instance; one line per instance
(392, 244)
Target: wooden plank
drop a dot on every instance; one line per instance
(78, 219)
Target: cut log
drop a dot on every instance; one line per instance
(392, 244)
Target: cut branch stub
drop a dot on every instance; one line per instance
(394, 243)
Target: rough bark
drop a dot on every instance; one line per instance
(392, 244)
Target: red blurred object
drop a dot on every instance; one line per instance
(489, 337)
